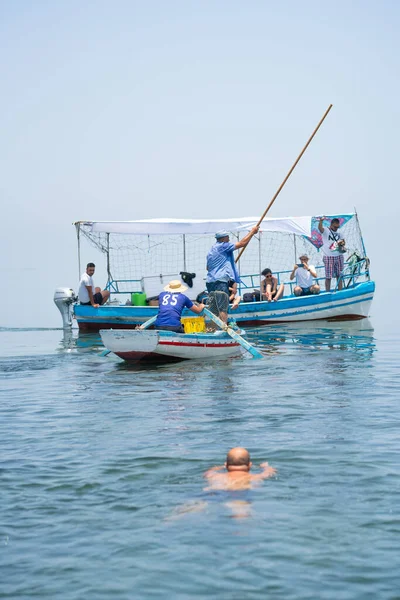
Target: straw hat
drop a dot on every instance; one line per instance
(175, 286)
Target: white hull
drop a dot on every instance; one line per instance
(288, 312)
(135, 345)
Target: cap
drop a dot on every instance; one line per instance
(222, 233)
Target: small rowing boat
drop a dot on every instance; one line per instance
(135, 345)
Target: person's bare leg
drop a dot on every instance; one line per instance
(223, 316)
(236, 303)
(268, 292)
(186, 509)
(315, 289)
(297, 291)
(328, 285)
(340, 284)
(241, 509)
(279, 292)
(106, 295)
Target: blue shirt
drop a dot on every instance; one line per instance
(221, 264)
(170, 308)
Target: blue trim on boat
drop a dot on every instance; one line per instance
(304, 312)
(309, 301)
(300, 301)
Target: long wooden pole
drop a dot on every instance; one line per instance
(287, 177)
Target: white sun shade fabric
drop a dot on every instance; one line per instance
(293, 225)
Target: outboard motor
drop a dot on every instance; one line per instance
(64, 299)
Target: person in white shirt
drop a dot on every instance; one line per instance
(305, 275)
(88, 294)
(333, 248)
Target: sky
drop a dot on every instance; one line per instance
(131, 110)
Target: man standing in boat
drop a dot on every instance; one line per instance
(221, 266)
(87, 293)
(333, 248)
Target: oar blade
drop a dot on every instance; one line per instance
(105, 353)
(253, 351)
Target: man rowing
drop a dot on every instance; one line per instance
(171, 302)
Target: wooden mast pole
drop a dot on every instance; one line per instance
(287, 177)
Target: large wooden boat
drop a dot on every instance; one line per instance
(143, 256)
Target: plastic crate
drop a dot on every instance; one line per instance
(193, 324)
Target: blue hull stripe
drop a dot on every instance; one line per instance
(260, 317)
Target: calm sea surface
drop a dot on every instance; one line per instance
(101, 469)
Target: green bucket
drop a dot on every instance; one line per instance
(138, 299)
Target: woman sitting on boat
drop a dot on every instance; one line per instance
(171, 304)
(270, 290)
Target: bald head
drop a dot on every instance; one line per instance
(238, 459)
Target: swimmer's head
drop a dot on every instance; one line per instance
(238, 459)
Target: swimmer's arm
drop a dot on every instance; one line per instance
(213, 471)
(267, 471)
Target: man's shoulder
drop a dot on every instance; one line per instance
(226, 246)
(214, 474)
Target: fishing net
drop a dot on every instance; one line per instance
(218, 302)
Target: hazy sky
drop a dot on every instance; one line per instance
(127, 110)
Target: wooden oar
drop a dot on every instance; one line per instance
(145, 325)
(238, 338)
(286, 178)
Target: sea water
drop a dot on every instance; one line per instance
(101, 474)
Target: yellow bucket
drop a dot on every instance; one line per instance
(193, 324)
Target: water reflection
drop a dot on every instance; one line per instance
(68, 341)
(283, 338)
(88, 340)
(316, 335)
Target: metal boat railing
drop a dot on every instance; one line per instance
(113, 285)
(354, 272)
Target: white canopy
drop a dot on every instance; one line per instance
(293, 225)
